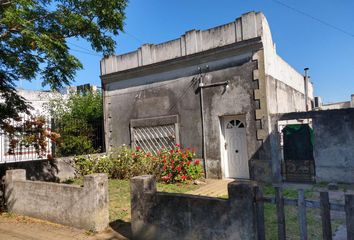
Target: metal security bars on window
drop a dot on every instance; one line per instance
(152, 139)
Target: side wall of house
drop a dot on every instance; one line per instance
(282, 98)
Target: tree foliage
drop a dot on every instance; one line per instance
(33, 41)
(77, 118)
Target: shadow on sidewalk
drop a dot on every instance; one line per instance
(121, 227)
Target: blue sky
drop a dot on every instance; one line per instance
(300, 40)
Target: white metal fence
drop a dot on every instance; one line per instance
(23, 151)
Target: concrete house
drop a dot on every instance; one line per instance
(214, 90)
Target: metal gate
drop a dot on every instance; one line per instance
(299, 164)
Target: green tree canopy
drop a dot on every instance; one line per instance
(33, 41)
(78, 118)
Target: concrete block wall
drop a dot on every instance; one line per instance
(56, 170)
(334, 145)
(157, 215)
(81, 207)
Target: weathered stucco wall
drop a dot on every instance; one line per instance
(237, 100)
(178, 97)
(333, 143)
(283, 98)
(175, 97)
(334, 146)
(158, 215)
(81, 207)
(56, 170)
(160, 80)
(164, 94)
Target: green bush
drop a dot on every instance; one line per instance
(69, 144)
(129, 162)
(170, 166)
(77, 119)
(85, 165)
(178, 165)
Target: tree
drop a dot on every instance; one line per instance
(77, 119)
(33, 42)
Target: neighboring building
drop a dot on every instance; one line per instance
(337, 105)
(220, 85)
(38, 100)
(79, 89)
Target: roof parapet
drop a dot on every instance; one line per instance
(249, 25)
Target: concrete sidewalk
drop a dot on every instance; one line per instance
(14, 227)
(213, 188)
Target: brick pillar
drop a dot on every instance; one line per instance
(242, 199)
(142, 192)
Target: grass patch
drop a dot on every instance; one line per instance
(314, 224)
(119, 195)
(269, 191)
(314, 227)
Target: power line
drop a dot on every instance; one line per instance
(78, 46)
(137, 39)
(80, 51)
(86, 51)
(315, 18)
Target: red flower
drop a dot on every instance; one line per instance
(171, 151)
(184, 177)
(163, 147)
(188, 163)
(138, 148)
(177, 145)
(165, 178)
(179, 168)
(197, 162)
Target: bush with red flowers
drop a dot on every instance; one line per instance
(169, 166)
(178, 165)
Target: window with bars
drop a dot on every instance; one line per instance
(154, 133)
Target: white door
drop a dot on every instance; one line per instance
(236, 165)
